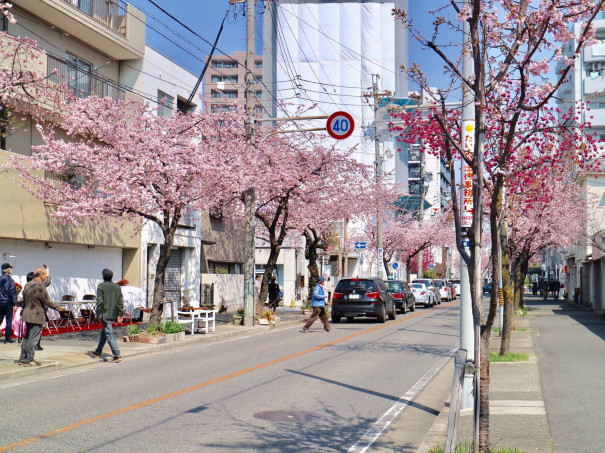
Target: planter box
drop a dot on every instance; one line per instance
(152, 339)
(135, 337)
(173, 337)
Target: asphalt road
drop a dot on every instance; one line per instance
(277, 392)
(570, 345)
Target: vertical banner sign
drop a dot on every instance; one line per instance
(468, 146)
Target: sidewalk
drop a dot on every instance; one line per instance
(517, 413)
(70, 350)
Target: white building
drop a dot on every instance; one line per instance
(585, 262)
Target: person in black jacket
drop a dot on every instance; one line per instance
(273, 293)
(8, 301)
(110, 308)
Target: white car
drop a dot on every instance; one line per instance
(422, 294)
(456, 284)
(445, 290)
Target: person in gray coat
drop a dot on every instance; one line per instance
(35, 301)
(110, 308)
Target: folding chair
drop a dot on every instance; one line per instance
(67, 317)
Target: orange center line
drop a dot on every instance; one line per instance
(158, 399)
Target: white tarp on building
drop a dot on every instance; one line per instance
(327, 53)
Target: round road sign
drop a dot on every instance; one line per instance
(340, 125)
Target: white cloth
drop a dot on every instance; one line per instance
(133, 297)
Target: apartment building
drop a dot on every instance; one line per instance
(87, 44)
(225, 81)
(585, 266)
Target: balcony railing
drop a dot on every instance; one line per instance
(82, 83)
(111, 13)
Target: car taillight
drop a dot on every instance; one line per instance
(422, 293)
(373, 295)
(398, 296)
(336, 296)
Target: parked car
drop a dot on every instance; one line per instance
(445, 290)
(431, 286)
(456, 283)
(362, 297)
(452, 289)
(487, 288)
(404, 298)
(422, 294)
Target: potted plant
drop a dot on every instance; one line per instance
(153, 335)
(174, 331)
(238, 317)
(133, 332)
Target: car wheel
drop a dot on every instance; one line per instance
(350, 318)
(335, 318)
(393, 313)
(413, 305)
(404, 307)
(382, 317)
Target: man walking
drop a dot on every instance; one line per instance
(35, 301)
(110, 308)
(318, 302)
(8, 300)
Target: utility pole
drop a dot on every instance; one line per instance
(421, 210)
(249, 196)
(378, 167)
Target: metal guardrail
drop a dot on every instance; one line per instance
(111, 13)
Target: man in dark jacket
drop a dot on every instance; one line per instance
(8, 300)
(35, 299)
(110, 308)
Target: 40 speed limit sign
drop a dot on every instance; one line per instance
(340, 125)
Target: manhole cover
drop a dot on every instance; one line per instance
(288, 416)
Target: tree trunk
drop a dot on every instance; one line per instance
(509, 307)
(160, 273)
(311, 245)
(484, 403)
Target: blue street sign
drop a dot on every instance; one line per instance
(395, 265)
(360, 245)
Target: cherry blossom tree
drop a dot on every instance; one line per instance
(302, 186)
(407, 236)
(512, 45)
(553, 217)
(124, 162)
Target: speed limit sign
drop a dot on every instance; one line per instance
(340, 125)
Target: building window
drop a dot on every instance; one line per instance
(78, 75)
(224, 64)
(215, 267)
(223, 79)
(229, 94)
(181, 103)
(258, 79)
(258, 64)
(218, 108)
(167, 102)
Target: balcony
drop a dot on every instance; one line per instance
(111, 26)
(111, 13)
(82, 83)
(592, 86)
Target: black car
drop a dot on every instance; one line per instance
(365, 296)
(404, 298)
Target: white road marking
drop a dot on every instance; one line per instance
(396, 409)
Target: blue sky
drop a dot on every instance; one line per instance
(205, 16)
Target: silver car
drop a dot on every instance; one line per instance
(430, 286)
(422, 294)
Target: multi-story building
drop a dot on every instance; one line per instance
(586, 84)
(225, 81)
(89, 44)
